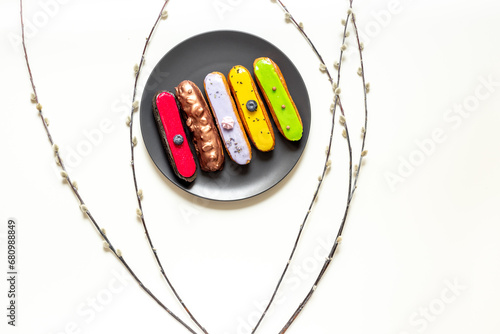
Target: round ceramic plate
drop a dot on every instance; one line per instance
(218, 51)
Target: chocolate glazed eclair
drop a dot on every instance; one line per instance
(201, 124)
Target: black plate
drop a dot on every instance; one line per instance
(218, 51)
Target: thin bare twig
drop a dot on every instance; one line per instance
(325, 168)
(134, 174)
(337, 241)
(74, 189)
(326, 164)
(352, 185)
(365, 102)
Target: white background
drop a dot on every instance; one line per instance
(420, 253)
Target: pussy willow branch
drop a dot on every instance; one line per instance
(74, 189)
(365, 102)
(352, 187)
(326, 166)
(134, 174)
(329, 258)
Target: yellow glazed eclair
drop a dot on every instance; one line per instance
(251, 108)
